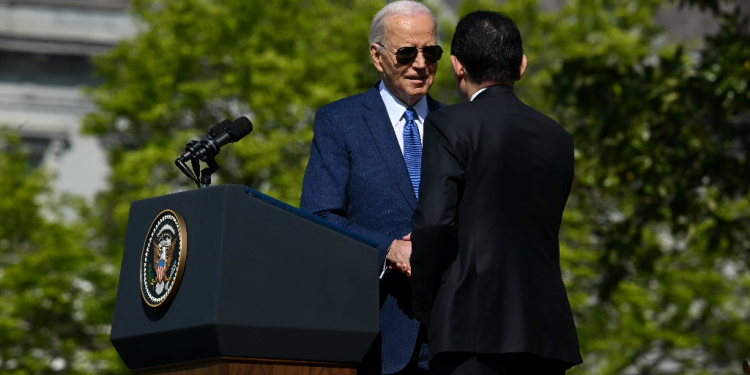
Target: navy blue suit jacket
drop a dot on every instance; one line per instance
(357, 178)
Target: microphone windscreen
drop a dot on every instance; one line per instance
(240, 128)
(219, 128)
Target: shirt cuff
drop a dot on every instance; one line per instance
(384, 270)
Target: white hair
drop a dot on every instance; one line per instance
(403, 7)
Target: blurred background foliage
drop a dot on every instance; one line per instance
(56, 288)
(655, 237)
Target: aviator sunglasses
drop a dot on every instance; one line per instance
(405, 55)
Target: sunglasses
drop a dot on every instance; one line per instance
(405, 55)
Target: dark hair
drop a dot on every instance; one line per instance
(488, 45)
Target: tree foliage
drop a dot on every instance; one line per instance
(659, 223)
(56, 294)
(655, 235)
(199, 61)
(656, 232)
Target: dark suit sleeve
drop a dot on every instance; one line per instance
(434, 221)
(325, 189)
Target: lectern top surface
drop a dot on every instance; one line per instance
(310, 217)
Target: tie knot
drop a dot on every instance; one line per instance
(410, 114)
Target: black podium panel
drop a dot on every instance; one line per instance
(261, 280)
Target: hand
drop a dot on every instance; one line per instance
(398, 255)
(406, 268)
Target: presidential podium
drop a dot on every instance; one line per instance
(226, 280)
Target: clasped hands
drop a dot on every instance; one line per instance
(398, 255)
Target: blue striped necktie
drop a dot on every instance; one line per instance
(412, 149)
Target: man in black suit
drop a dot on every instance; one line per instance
(496, 175)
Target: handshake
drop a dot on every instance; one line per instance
(398, 255)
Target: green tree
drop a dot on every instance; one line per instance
(655, 235)
(199, 61)
(656, 230)
(618, 29)
(658, 227)
(55, 293)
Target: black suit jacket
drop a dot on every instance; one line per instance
(496, 175)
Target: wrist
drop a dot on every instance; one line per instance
(390, 247)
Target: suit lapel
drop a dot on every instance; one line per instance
(379, 124)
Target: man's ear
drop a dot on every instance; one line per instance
(523, 68)
(376, 56)
(460, 78)
(458, 69)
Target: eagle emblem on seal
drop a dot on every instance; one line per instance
(163, 258)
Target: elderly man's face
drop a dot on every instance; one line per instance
(408, 82)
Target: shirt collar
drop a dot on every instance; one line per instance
(477, 93)
(396, 108)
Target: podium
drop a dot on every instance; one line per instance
(264, 289)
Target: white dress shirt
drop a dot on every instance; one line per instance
(396, 109)
(477, 93)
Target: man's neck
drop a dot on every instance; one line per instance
(396, 107)
(472, 88)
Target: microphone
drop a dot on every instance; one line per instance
(218, 136)
(205, 150)
(232, 133)
(218, 128)
(193, 146)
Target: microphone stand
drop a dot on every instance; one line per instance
(202, 178)
(207, 172)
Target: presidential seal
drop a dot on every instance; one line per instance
(163, 258)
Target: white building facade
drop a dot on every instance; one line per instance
(45, 60)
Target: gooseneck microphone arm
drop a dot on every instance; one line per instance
(207, 149)
(181, 164)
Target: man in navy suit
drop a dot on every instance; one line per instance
(363, 172)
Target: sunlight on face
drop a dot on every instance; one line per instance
(408, 82)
